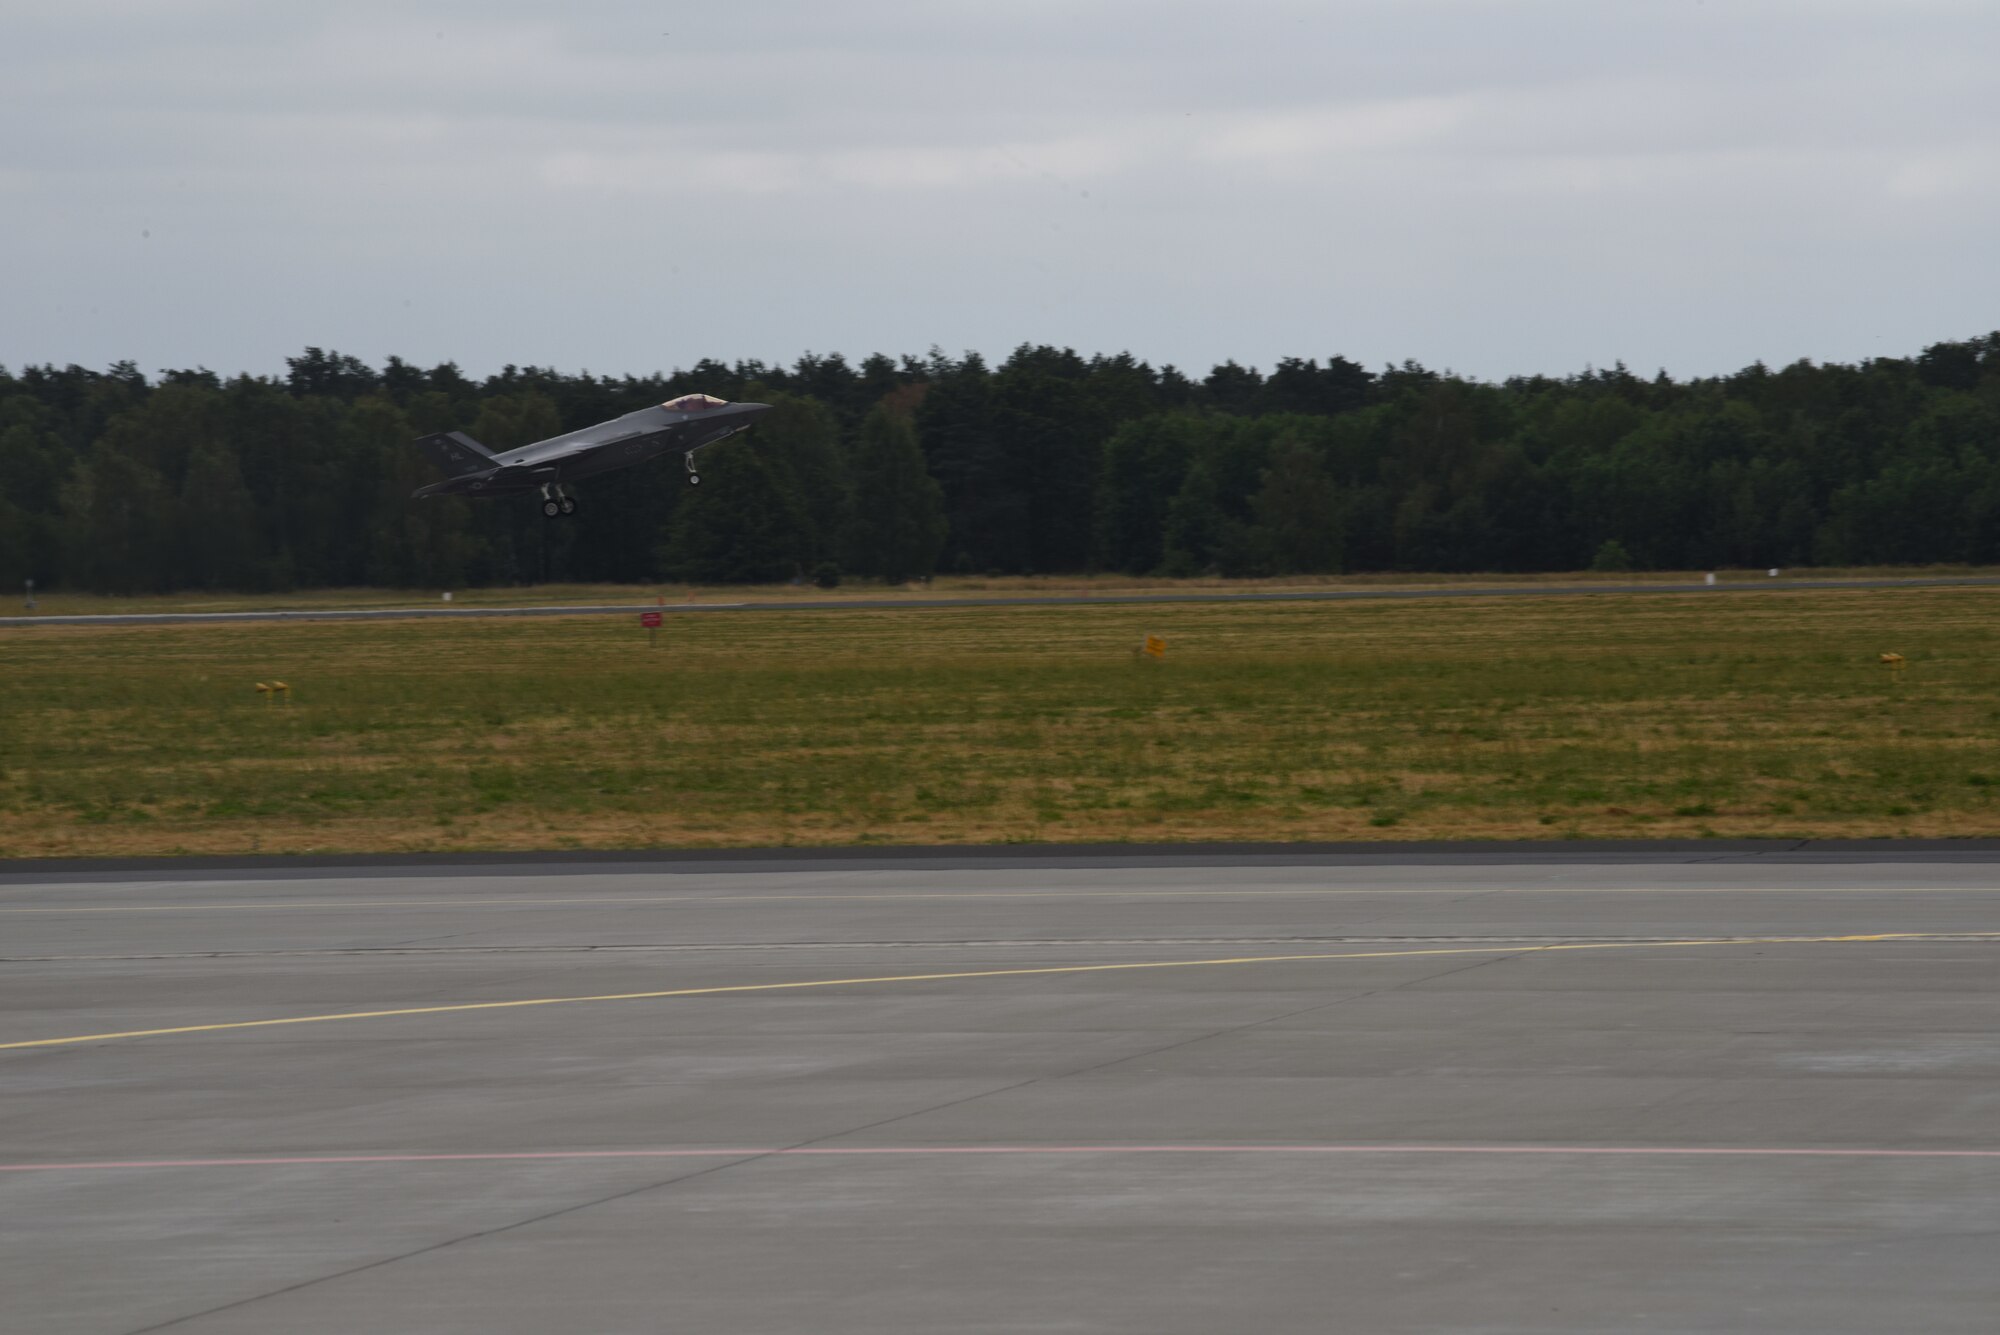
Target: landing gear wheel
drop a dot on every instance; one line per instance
(551, 508)
(694, 479)
(568, 506)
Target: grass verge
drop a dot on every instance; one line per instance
(1605, 717)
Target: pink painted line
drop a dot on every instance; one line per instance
(1631, 1151)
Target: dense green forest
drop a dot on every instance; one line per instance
(1047, 462)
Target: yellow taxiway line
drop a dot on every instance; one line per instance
(464, 1007)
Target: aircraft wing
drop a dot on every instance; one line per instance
(568, 449)
(521, 472)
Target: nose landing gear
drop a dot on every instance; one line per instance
(687, 461)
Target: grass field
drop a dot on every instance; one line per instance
(1608, 716)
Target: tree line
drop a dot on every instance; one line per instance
(894, 468)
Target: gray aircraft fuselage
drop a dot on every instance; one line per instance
(679, 426)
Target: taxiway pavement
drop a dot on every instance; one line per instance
(909, 603)
(1194, 1095)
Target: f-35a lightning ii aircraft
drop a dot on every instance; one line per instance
(689, 423)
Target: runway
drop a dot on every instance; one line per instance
(923, 603)
(1507, 1093)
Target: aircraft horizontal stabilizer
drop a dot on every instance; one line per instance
(457, 453)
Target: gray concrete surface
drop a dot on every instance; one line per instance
(1453, 1129)
(919, 602)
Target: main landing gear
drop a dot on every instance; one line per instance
(687, 460)
(554, 502)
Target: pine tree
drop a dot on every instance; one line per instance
(984, 506)
(1143, 466)
(218, 543)
(1298, 512)
(744, 524)
(899, 523)
(114, 520)
(801, 438)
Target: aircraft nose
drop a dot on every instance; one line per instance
(751, 409)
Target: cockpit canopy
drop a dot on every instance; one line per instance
(694, 403)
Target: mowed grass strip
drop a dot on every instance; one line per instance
(1606, 716)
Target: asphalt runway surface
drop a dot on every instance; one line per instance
(1205, 1095)
(920, 603)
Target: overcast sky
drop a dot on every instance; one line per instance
(1495, 186)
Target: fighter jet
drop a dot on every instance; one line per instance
(689, 423)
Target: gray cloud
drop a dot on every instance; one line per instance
(1500, 187)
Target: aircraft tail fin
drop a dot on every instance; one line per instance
(457, 453)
